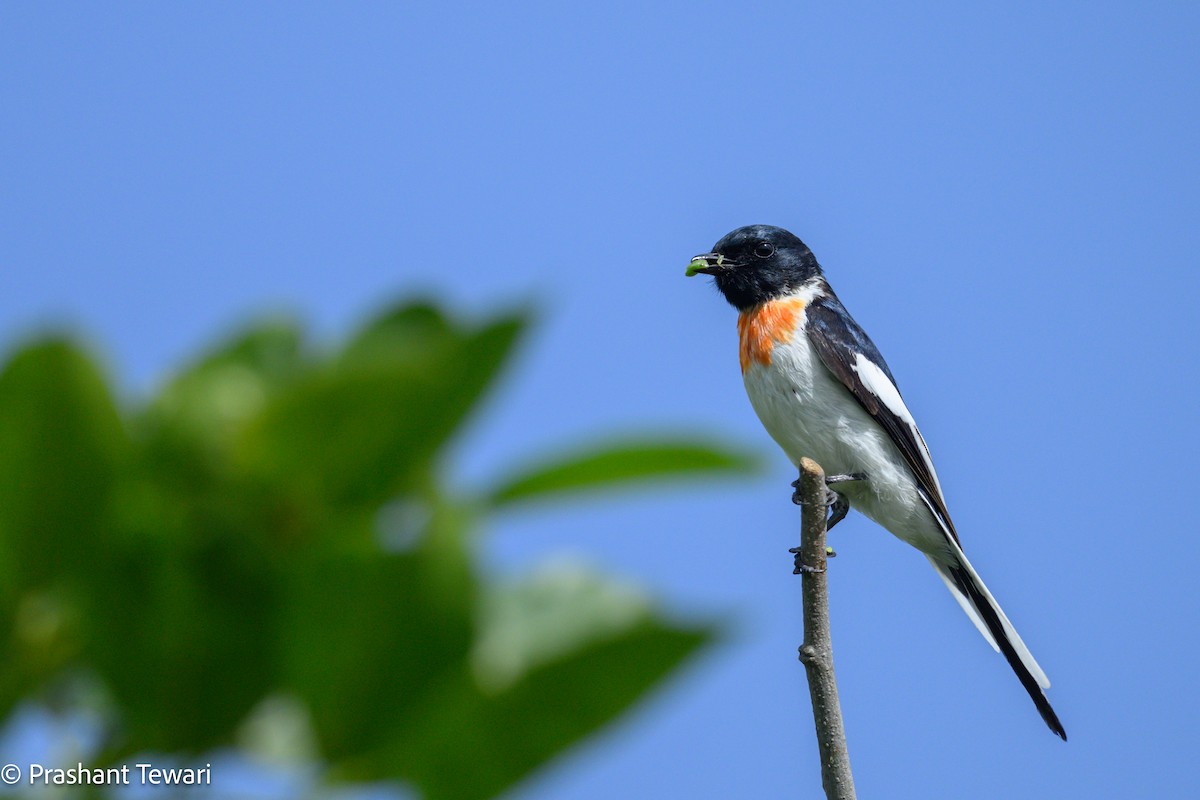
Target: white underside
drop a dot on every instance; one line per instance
(810, 413)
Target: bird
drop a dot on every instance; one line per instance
(821, 388)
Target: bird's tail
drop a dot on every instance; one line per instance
(964, 583)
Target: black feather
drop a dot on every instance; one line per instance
(962, 580)
(839, 339)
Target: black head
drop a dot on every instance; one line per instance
(757, 263)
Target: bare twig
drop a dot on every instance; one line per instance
(817, 651)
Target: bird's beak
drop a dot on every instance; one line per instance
(709, 264)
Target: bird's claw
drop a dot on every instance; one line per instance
(839, 506)
(801, 567)
(830, 496)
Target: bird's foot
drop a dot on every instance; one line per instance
(801, 567)
(837, 504)
(798, 499)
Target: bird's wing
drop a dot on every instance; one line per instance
(849, 353)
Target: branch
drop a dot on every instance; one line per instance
(817, 651)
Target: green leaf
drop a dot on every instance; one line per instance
(610, 466)
(61, 444)
(405, 331)
(559, 608)
(559, 655)
(204, 404)
(61, 447)
(479, 749)
(367, 635)
(182, 630)
(358, 432)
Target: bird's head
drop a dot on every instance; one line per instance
(757, 263)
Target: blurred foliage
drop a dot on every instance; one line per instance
(272, 530)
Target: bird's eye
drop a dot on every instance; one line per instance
(764, 249)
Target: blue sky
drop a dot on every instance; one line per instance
(1005, 195)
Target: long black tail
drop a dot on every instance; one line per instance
(972, 588)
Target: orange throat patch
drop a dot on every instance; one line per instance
(763, 327)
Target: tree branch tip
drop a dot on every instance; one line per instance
(811, 467)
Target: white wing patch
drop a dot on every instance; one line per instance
(876, 381)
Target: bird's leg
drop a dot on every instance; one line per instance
(838, 505)
(853, 476)
(837, 511)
